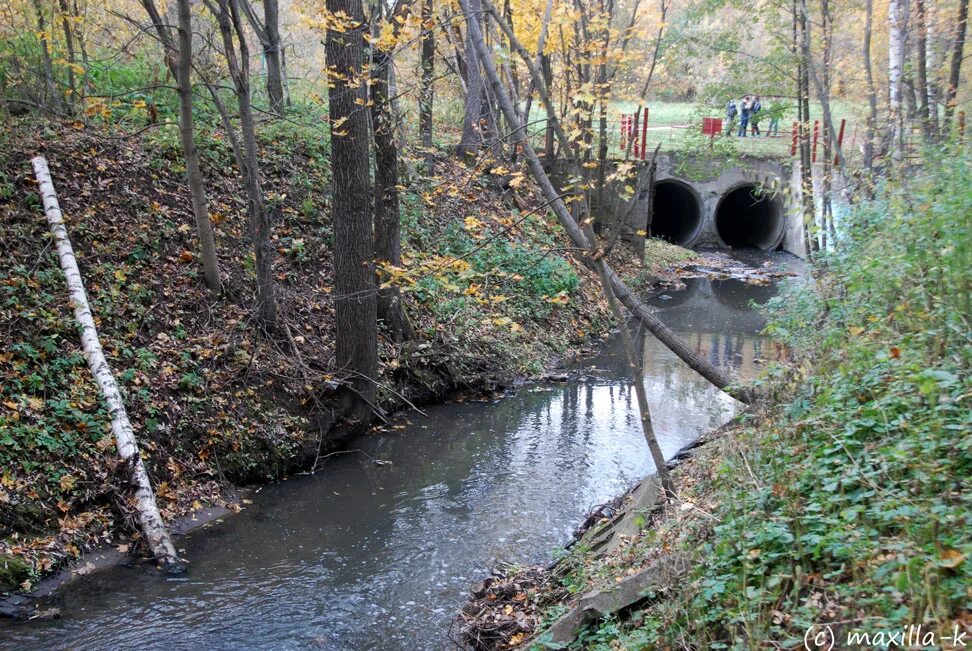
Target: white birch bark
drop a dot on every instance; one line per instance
(932, 62)
(897, 25)
(149, 519)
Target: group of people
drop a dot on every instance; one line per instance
(749, 112)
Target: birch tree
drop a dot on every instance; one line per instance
(149, 519)
(921, 60)
(897, 33)
(427, 93)
(868, 159)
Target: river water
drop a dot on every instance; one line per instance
(365, 555)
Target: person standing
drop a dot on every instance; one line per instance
(744, 112)
(754, 115)
(731, 113)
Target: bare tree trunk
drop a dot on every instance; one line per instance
(272, 51)
(275, 91)
(267, 32)
(66, 20)
(283, 73)
(806, 159)
(871, 90)
(149, 519)
(897, 32)
(228, 17)
(922, 70)
(197, 192)
(472, 138)
(955, 70)
(388, 243)
(932, 67)
(181, 69)
(52, 99)
(354, 272)
(602, 91)
(428, 78)
(82, 47)
(822, 83)
(548, 140)
(586, 251)
(638, 380)
(541, 64)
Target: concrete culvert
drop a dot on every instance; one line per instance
(746, 218)
(677, 213)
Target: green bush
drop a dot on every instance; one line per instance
(852, 506)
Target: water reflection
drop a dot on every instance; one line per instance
(716, 316)
(379, 557)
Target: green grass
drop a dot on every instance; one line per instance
(676, 126)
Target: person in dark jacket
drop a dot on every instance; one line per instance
(754, 115)
(745, 111)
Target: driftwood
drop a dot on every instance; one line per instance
(599, 603)
(149, 519)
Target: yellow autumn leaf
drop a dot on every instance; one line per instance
(951, 558)
(517, 180)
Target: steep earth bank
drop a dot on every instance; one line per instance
(216, 403)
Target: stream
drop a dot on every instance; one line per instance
(364, 555)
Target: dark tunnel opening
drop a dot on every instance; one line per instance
(677, 214)
(745, 218)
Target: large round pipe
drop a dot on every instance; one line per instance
(676, 214)
(747, 218)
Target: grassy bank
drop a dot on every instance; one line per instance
(214, 402)
(843, 499)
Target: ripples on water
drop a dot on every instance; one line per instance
(363, 556)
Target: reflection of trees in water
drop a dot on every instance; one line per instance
(745, 354)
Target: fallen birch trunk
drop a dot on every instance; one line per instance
(149, 518)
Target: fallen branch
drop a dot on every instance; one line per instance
(149, 519)
(720, 378)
